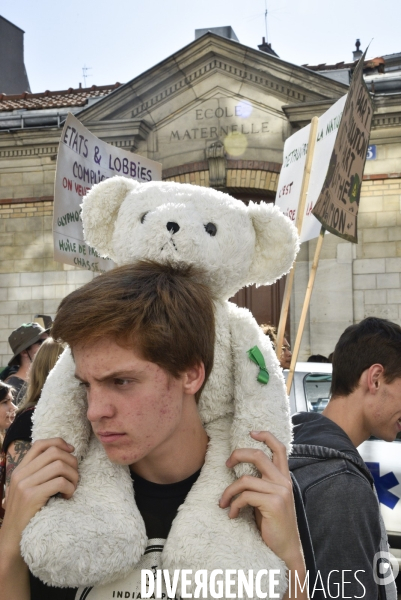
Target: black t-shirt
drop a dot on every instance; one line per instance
(20, 429)
(158, 505)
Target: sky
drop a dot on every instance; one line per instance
(118, 40)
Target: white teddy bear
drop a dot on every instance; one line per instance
(98, 536)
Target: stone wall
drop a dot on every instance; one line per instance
(30, 281)
(353, 281)
(377, 267)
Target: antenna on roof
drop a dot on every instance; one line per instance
(266, 17)
(85, 69)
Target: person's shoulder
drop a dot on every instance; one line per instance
(20, 429)
(14, 380)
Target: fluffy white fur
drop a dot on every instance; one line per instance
(98, 535)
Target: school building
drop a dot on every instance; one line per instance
(216, 113)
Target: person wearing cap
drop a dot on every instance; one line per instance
(24, 342)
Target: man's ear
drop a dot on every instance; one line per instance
(276, 244)
(194, 378)
(375, 375)
(100, 208)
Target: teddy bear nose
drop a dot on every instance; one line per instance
(173, 227)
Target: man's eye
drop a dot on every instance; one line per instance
(122, 382)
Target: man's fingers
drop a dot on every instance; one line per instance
(43, 455)
(248, 483)
(278, 449)
(41, 446)
(256, 500)
(53, 471)
(265, 466)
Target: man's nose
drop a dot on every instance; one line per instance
(172, 227)
(99, 405)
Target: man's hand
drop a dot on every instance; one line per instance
(270, 495)
(47, 469)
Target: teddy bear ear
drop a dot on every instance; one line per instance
(276, 244)
(100, 207)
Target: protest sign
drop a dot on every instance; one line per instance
(291, 175)
(83, 160)
(326, 136)
(292, 172)
(338, 202)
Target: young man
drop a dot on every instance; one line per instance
(341, 504)
(142, 338)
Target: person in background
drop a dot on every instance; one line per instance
(286, 354)
(7, 412)
(7, 409)
(24, 342)
(341, 502)
(318, 358)
(270, 331)
(18, 438)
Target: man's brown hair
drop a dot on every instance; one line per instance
(372, 341)
(161, 312)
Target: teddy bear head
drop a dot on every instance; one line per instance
(234, 245)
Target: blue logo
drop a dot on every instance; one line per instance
(383, 485)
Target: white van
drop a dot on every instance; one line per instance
(311, 392)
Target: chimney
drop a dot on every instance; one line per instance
(226, 32)
(357, 53)
(265, 47)
(13, 77)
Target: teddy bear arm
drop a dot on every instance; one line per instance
(257, 406)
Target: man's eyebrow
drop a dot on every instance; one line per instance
(112, 375)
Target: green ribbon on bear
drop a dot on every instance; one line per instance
(257, 357)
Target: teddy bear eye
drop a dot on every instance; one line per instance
(211, 229)
(143, 216)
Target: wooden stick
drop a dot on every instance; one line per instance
(305, 308)
(300, 217)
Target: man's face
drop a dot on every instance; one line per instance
(32, 350)
(134, 406)
(286, 355)
(385, 411)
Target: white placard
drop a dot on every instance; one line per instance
(83, 160)
(292, 171)
(290, 181)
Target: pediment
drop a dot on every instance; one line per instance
(212, 90)
(197, 67)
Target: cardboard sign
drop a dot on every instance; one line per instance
(84, 160)
(338, 202)
(292, 171)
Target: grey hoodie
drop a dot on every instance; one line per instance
(341, 507)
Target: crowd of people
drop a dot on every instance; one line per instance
(143, 370)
